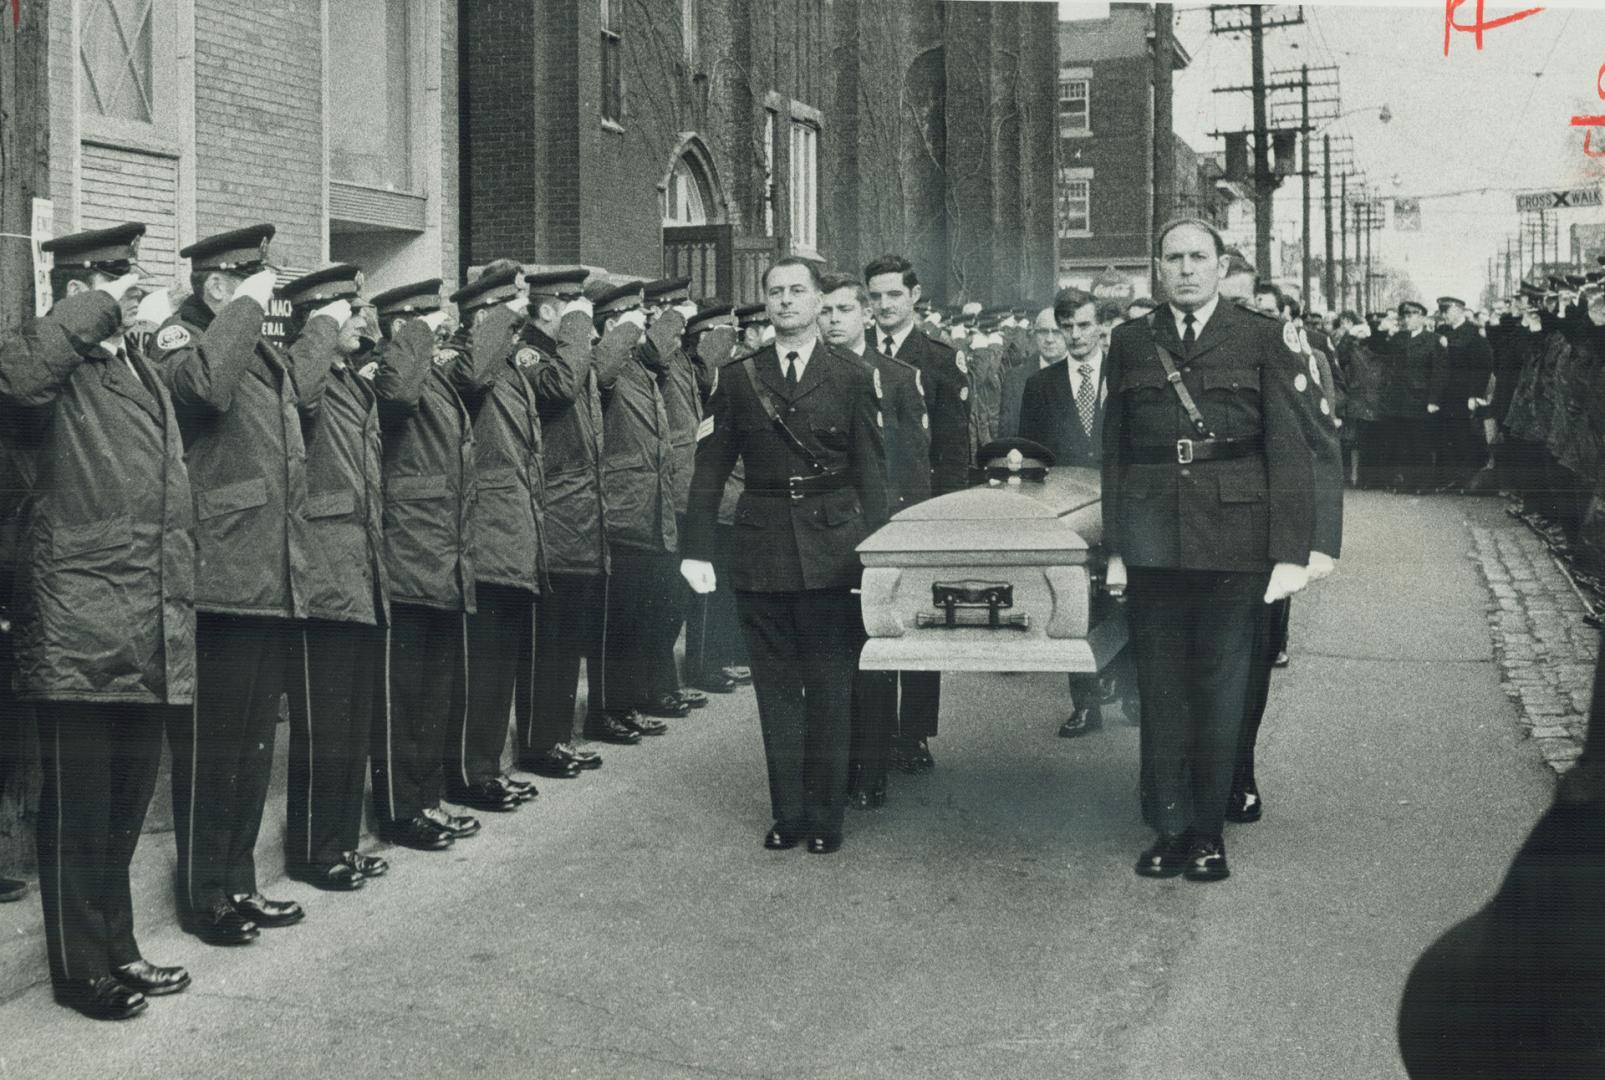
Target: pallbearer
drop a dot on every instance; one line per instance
(335, 669)
(105, 627)
(237, 403)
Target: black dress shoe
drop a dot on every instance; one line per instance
(694, 698)
(550, 763)
(1244, 805)
(369, 866)
(455, 825)
(668, 706)
(523, 790)
(1206, 861)
(12, 889)
(780, 838)
(267, 913)
(221, 924)
(912, 755)
(717, 682)
(1166, 856)
(151, 980)
(585, 759)
(101, 999)
(418, 833)
(642, 724)
(824, 843)
(870, 796)
(1080, 722)
(484, 795)
(609, 729)
(336, 877)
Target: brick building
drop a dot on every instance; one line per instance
(1105, 173)
(708, 136)
(336, 121)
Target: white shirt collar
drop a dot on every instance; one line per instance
(897, 338)
(1200, 317)
(803, 353)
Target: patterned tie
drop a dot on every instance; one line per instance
(888, 348)
(1087, 399)
(1189, 338)
(791, 370)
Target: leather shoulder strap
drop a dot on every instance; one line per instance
(1187, 403)
(767, 403)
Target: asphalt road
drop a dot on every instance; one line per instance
(985, 924)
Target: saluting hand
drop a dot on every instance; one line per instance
(1286, 579)
(118, 286)
(699, 575)
(259, 287)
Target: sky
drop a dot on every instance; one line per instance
(1467, 130)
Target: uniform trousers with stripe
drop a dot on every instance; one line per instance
(99, 762)
(638, 610)
(568, 628)
(223, 752)
(804, 648)
(498, 640)
(334, 678)
(1194, 634)
(422, 687)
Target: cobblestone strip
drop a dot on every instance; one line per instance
(1546, 652)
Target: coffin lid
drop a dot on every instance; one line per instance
(1058, 514)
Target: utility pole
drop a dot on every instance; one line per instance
(1304, 139)
(1264, 180)
(1164, 149)
(1326, 203)
(1343, 242)
(24, 154)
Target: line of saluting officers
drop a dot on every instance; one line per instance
(406, 530)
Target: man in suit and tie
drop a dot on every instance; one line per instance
(894, 289)
(1062, 409)
(804, 420)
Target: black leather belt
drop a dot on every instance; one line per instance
(1187, 451)
(800, 487)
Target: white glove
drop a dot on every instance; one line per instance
(338, 310)
(636, 317)
(1286, 579)
(1114, 576)
(116, 288)
(434, 319)
(1431, 409)
(518, 305)
(580, 303)
(698, 575)
(687, 309)
(1471, 404)
(259, 287)
(1321, 565)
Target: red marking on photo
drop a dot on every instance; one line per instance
(1477, 28)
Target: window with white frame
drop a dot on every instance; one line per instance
(769, 172)
(127, 70)
(373, 112)
(1074, 202)
(804, 185)
(1075, 117)
(612, 62)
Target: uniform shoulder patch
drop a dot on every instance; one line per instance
(1315, 372)
(526, 357)
(1290, 337)
(172, 337)
(958, 361)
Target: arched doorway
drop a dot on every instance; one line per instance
(696, 231)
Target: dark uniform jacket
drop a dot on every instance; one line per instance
(345, 491)
(785, 544)
(637, 459)
(906, 429)
(570, 404)
(1419, 371)
(508, 523)
(944, 373)
(1319, 415)
(237, 404)
(1050, 415)
(682, 398)
(106, 558)
(428, 467)
(1470, 362)
(1240, 514)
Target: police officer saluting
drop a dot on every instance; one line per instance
(239, 409)
(803, 418)
(105, 627)
(429, 495)
(335, 672)
(1208, 511)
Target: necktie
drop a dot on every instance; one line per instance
(1087, 399)
(1189, 337)
(791, 370)
(889, 349)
